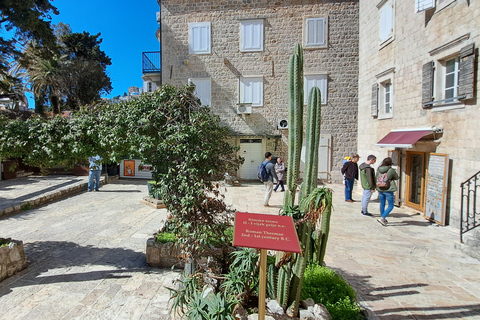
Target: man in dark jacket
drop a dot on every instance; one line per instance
(350, 171)
(367, 176)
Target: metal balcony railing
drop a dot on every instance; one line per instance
(470, 206)
(151, 62)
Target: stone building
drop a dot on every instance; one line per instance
(418, 100)
(236, 52)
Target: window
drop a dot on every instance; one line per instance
(383, 95)
(251, 90)
(150, 87)
(386, 21)
(422, 5)
(386, 101)
(315, 80)
(450, 80)
(315, 33)
(450, 84)
(251, 35)
(199, 38)
(203, 90)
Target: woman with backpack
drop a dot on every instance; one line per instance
(386, 188)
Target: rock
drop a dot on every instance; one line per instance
(306, 315)
(321, 313)
(274, 307)
(307, 303)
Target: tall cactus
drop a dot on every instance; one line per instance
(292, 269)
(312, 141)
(295, 121)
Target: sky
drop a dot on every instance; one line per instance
(127, 29)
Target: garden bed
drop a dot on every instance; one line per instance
(12, 258)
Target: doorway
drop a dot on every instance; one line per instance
(251, 150)
(415, 182)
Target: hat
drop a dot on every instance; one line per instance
(347, 158)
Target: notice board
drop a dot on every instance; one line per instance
(437, 183)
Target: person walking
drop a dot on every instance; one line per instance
(386, 188)
(95, 172)
(280, 171)
(350, 170)
(270, 168)
(367, 177)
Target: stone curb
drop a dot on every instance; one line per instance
(50, 197)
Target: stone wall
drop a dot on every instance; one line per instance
(283, 23)
(417, 39)
(12, 259)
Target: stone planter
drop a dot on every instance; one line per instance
(163, 255)
(12, 259)
(166, 255)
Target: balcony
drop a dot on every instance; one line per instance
(151, 62)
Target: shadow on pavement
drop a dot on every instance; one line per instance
(65, 262)
(369, 293)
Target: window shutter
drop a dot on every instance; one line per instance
(386, 22)
(375, 100)
(251, 35)
(199, 38)
(310, 81)
(466, 80)
(203, 90)
(315, 32)
(251, 91)
(427, 82)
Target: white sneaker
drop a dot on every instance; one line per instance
(382, 221)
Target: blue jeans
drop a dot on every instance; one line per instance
(94, 175)
(349, 189)
(386, 196)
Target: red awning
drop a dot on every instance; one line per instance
(402, 138)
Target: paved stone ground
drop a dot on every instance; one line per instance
(86, 259)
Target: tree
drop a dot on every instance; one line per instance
(86, 76)
(27, 19)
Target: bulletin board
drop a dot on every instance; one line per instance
(437, 183)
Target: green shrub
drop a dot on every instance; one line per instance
(327, 287)
(165, 237)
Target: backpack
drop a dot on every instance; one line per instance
(262, 173)
(383, 183)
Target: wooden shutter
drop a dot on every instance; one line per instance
(375, 100)
(466, 79)
(427, 82)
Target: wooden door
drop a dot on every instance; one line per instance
(415, 184)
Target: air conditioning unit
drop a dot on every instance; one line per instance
(282, 124)
(244, 109)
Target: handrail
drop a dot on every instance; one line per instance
(469, 217)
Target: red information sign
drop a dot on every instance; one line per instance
(263, 231)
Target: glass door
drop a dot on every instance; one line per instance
(416, 170)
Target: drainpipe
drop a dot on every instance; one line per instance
(160, 40)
